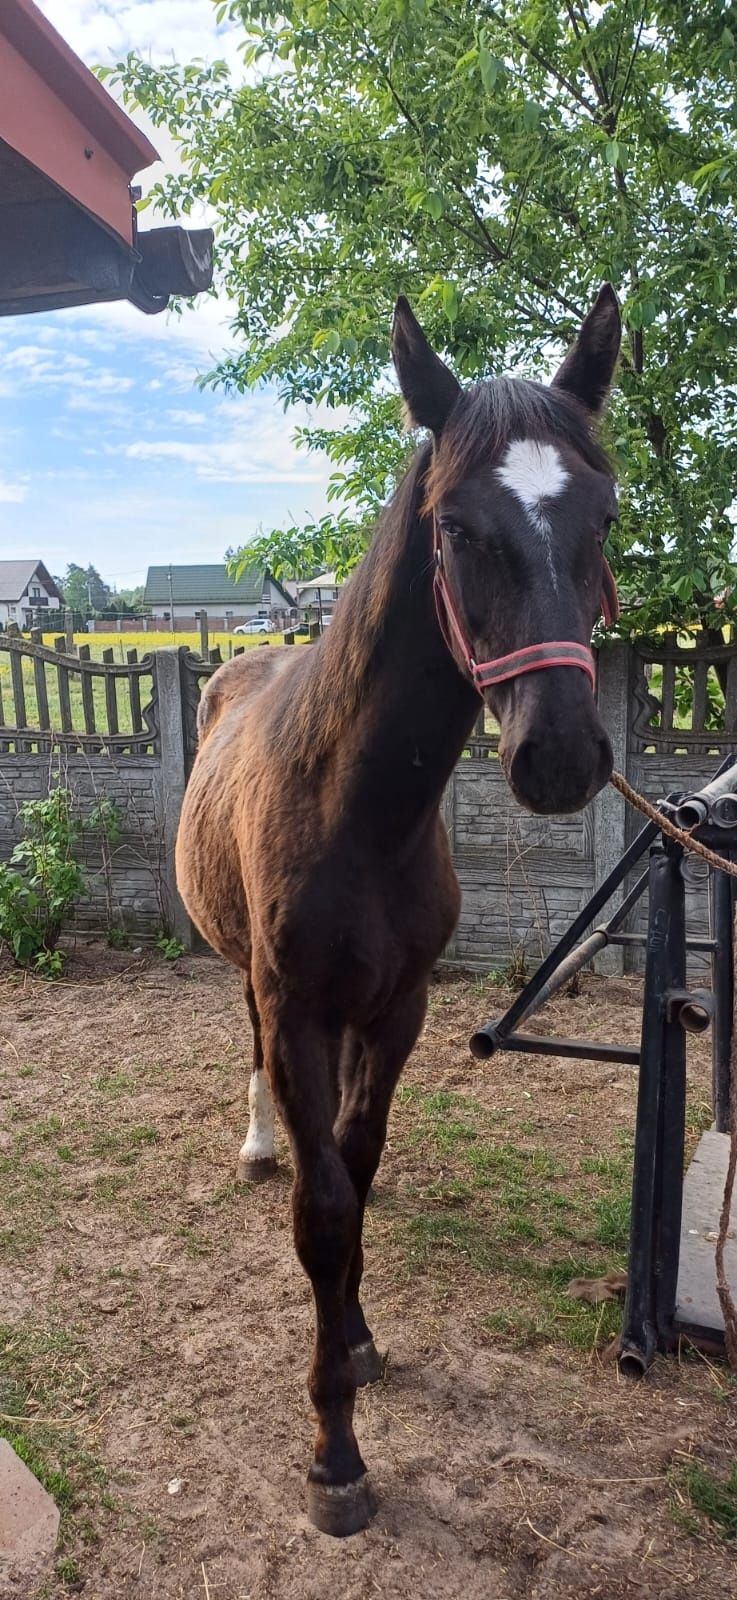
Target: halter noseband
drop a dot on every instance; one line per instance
(534, 657)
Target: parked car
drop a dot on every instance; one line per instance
(256, 625)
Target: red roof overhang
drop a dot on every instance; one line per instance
(56, 115)
(67, 156)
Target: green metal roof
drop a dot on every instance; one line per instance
(206, 585)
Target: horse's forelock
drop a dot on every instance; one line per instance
(487, 416)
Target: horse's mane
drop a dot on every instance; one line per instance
(316, 704)
(327, 692)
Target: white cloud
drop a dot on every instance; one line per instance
(186, 419)
(229, 462)
(13, 493)
(46, 367)
(253, 443)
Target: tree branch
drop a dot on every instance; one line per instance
(630, 68)
(596, 78)
(542, 61)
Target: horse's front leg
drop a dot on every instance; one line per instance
(369, 1078)
(326, 1230)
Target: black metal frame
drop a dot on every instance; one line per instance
(669, 1011)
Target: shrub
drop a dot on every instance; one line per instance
(41, 883)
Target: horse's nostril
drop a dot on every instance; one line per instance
(524, 765)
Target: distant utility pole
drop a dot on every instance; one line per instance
(171, 599)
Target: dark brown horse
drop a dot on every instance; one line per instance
(311, 852)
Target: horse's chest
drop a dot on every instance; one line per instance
(353, 937)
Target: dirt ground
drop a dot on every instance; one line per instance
(156, 1325)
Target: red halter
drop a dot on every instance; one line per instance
(534, 657)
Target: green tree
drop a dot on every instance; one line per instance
(495, 162)
(125, 600)
(83, 588)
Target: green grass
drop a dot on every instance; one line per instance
(523, 1220)
(710, 1501)
(44, 1394)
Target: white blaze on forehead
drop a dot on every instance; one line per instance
(535, 473)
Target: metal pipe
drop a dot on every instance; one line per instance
(482, 1045)
(722, 978)
(724, 811)
(665, 969)
(497, 1029)
(696, 942)
(695, 809)
(540, 1044)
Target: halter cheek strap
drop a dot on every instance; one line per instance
(534, 657)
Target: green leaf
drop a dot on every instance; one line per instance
(468, 60)
(489, 69)
(451, 302)
(434, 203)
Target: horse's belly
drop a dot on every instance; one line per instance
(208, 874)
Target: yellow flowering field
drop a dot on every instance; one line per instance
(143, 642)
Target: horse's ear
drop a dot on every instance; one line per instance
(428, 386)
(589, 367)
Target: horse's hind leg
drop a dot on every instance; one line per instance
(256, 1158)
(325, 1211)
(370, 1076)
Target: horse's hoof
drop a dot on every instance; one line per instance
(341, 1509)
(255, 1170)
(368, 1365)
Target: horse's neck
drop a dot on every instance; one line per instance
(418, 708)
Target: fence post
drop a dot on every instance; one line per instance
(172, 785)
(609, 808)
(204, 635)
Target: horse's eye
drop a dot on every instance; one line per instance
(453, 531)
(606, 528)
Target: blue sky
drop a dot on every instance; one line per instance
(108, 452)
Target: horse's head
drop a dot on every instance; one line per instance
(521, 496)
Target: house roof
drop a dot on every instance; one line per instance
(207, 585)
(324, 580)
(15, 577)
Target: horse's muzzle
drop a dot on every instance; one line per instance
(547, 775)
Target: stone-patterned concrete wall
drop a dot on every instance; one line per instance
(125, 882)
(130, 879)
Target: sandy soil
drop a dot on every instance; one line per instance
(172, 1323)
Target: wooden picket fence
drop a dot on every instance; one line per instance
(51, 698)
